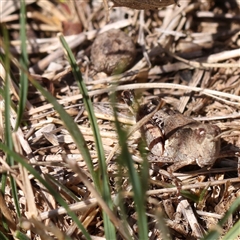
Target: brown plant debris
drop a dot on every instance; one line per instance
(186, 55)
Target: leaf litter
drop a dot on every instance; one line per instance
(186, 55)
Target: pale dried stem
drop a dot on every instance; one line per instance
(204, 91)
(192, 186)
(101, 202)
(189, 215)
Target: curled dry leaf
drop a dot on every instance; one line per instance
(112, 52)
(143, 4)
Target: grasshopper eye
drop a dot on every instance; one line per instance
(128, 97)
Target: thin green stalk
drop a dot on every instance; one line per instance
(3, 236)
(70, 125)
(233, 233)
(21, 236)
(102, 183)
(63, 188)
(6, 64)
(24, 65)
(8, 129)
(217, 231)
(48, 186)
(138, 181)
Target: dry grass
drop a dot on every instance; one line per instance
(187, 55)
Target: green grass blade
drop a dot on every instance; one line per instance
(103, 181)
(234, 232)
(216, 232)
(138, 192)
(70, 125)
(24, 65)
(21, 236)
(6, 64)
(62, 187)
(138, 181)
(3, 236)
(52, 191)
(8, 129)
(89, 107)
